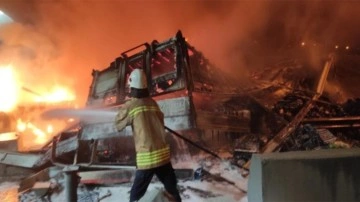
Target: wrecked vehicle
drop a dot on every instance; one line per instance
(189, 91)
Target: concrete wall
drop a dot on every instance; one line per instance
(323, 175)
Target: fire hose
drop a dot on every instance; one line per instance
(200, 147)
(209, 152)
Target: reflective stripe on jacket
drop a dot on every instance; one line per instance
(147, 121)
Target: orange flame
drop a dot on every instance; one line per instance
(8, 89)
(41, 137)
(58, 94)
(8, 136)
(28, 125)
(11, 96)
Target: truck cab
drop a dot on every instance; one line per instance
(195, 97)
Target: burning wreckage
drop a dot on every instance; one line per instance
(206, 112)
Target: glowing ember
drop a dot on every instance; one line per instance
(8, 89)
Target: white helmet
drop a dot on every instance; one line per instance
(137, 79)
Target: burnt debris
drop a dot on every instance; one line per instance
(298, 117)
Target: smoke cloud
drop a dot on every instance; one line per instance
(62, 41)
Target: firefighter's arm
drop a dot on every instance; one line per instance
(122, 119)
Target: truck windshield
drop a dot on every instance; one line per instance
(165, 71)
(106, 81)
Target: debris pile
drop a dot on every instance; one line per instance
(298, 118)
(293, 102)
(352, 107)
(307, 135)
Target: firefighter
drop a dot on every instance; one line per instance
(152, 150)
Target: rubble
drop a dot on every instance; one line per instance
(298, 118)
(327, 125)
(308, 134)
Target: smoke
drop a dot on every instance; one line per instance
(85, 115)
(64, 40)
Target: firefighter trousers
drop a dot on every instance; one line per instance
(143, 178)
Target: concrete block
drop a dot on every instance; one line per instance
(322, 175)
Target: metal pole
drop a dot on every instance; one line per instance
(71, 184)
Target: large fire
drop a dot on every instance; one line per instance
(26, 110)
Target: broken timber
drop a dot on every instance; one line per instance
(334, 122)
(279, 138)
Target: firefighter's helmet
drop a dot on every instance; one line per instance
(137, 79)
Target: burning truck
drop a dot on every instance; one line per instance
(201, 109)
(189, 91)
(205, 110)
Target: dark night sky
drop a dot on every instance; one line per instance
(74, 36)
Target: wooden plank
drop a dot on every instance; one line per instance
(25, 160)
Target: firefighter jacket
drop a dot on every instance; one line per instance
(147, 122)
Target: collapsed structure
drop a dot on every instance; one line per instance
(204, 109)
